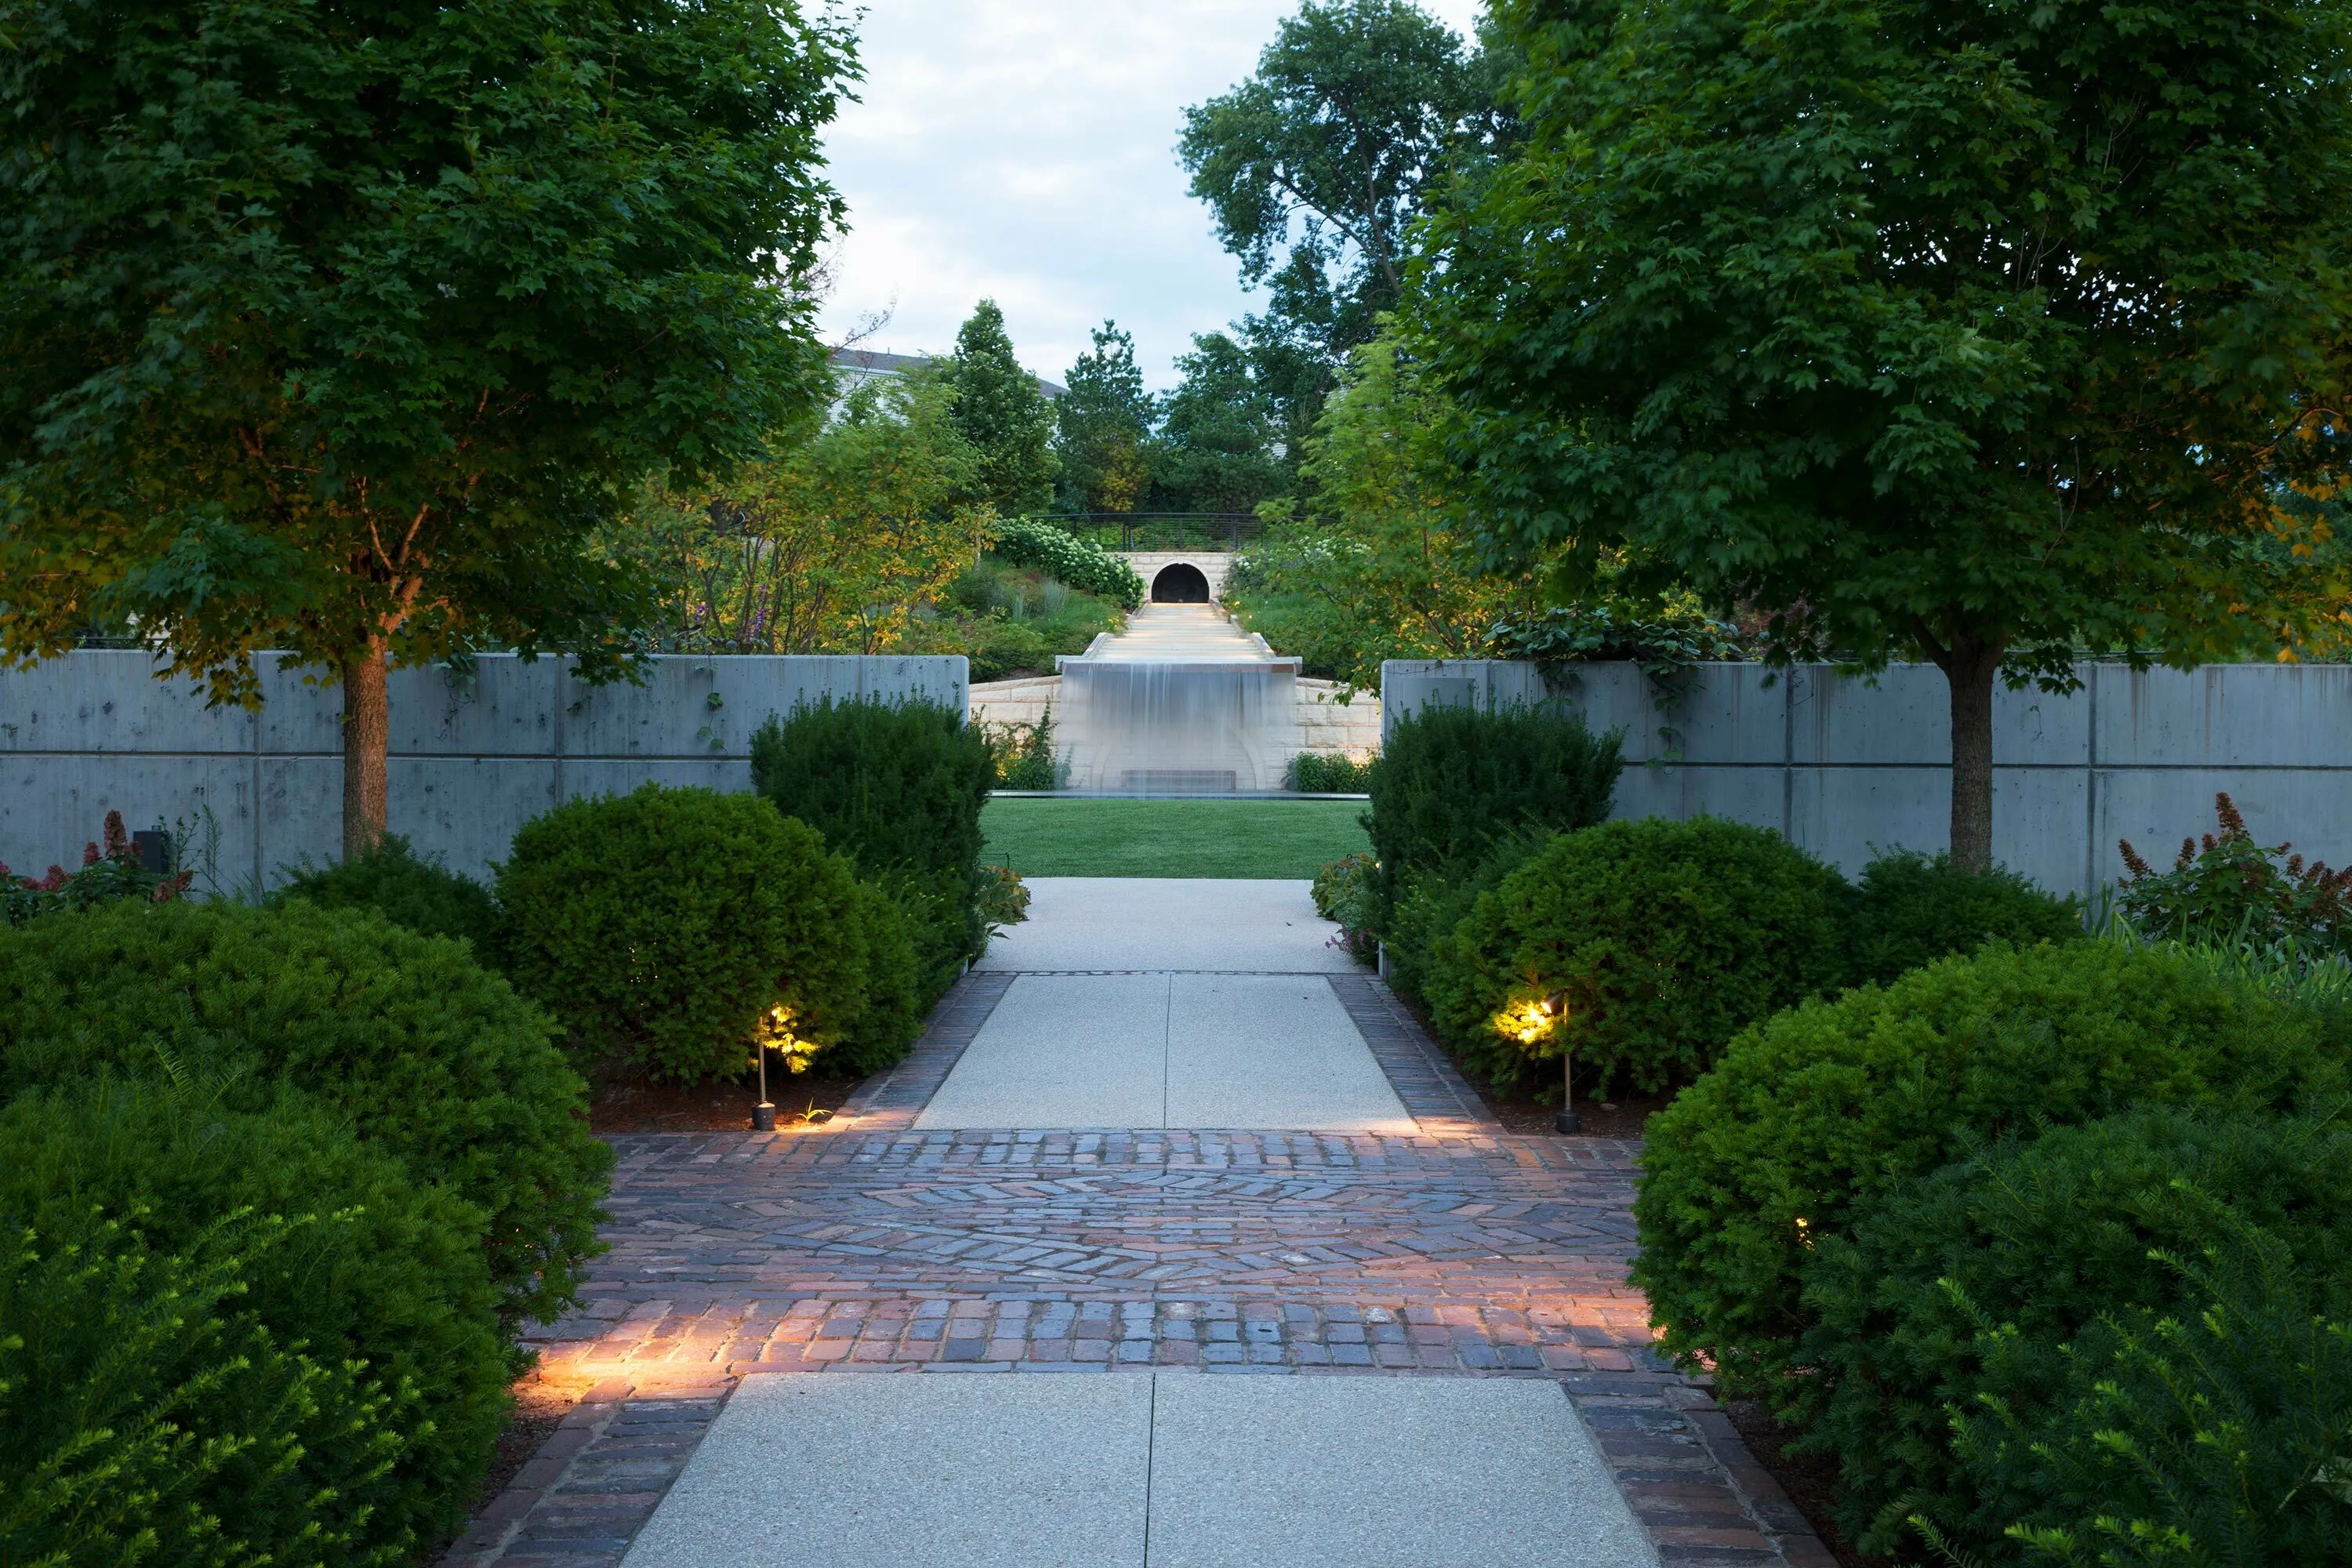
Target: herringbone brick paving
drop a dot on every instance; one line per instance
(868, 1246)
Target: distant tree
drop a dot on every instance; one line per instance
(336, 328)
(1317, 166)
(1103, 428)
(831, 546)
(1220, 446)
(1001, 411)
(1978, 332)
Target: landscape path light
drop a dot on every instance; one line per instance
(1556, 1007)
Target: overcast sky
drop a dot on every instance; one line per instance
(1025, 149)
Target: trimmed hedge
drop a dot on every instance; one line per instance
(1821, 1109)
(1661, 941)
(436, 1061)
(1431, 905)
(378, 1281)
(1067, 559)
(1451, 782)
(1972, 1283)
(898, 788)
(1911, 909)
(660, 927)
(421, 895)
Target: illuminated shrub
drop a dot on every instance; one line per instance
(1819, 1112)
(662, 927)
(242, 1274)
(1653, 942)
(435, 1059)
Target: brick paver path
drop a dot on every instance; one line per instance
(871, 1246)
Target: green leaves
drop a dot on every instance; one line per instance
(340, 326)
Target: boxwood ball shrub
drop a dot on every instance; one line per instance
(1660, 940)
(1822, 1110)
(421, 895)
(379, 1279)
(898, 788)
(432, 1058)
(662, 926)
(1973, 1282)
(1450, 782)
(1911, 909)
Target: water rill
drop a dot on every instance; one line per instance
(1182, 702)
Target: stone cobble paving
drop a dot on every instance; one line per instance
(870, 1246)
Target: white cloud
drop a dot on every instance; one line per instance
(1025, 150)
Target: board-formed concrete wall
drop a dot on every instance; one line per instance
(1847, 767)
(472, 757)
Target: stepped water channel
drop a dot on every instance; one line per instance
(1182, 702)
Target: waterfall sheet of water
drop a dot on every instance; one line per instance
(1180, 703)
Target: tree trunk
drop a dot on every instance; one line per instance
(1969, 665)
(367, 735)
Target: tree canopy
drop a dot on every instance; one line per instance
(1219, 446)
(1102, 431)
(335, 329)
(1318, 165)
(1985, 332)
(1002, 414)
(833, 545)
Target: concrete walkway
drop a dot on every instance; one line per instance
(1160, 1137)
(1160, 1471)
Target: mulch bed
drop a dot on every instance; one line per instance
(624, 1105)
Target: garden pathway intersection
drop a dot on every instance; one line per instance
(1248, 1160)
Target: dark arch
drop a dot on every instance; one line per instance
(1182, 584)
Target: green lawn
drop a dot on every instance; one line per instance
(1078, 836)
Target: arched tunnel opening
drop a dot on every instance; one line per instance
(1180, 583)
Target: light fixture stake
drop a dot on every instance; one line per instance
(1567, 1120)
(763, 1115)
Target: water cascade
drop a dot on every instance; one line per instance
(1180, 703)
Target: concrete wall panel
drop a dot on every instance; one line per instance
(473, 754)
(1863, 767)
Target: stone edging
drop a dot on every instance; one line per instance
(891, 1102)
(1424, 1076)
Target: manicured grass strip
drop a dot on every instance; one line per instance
(1083, 838)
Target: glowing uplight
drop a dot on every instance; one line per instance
(777, 1033)
(1529, 1021)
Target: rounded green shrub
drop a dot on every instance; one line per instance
(433, 1057)
(1911, 909)
(662, 926)
(1972, 1283)
(1821, 1109)
(1659, 940)
(1431, 904)
(420, 895)
(897, 787)
(1451, 782)
(1026, 541)
(375, 1276)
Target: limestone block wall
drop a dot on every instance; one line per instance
(1214, 565)
(1847, 767)
(473, 755)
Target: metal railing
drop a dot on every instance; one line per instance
(1160, 530)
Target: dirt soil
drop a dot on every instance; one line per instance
(623, 1105)
(1810, 1479)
